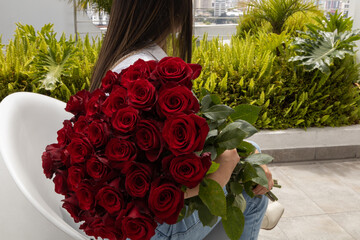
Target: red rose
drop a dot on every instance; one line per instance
(110, 199)
(108, 82)
(75, 175)
(171, 69)
(138, 179)
(148, 138)
(139, 70)
(77, 102)
(71, 204)
(125, 120)
(185, 133)
(142, 94)
(79, 149)
(135, 224)
(94, 104)
(98, 133)
(97, 168)
(64, 134)
(178, 99)
(85, 196)
(116, 100)
(166, 201)
(52, 159)
(81, 125)
(60, 182)
(187, 169)
(102, 227)
(120, 150)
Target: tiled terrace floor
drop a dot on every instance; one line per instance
(321, 200)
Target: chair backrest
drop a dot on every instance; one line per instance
(28, 123)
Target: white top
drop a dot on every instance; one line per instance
(153, 52)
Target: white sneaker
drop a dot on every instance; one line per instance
(272, 216)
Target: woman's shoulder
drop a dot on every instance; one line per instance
(126, 62)
(152, 52)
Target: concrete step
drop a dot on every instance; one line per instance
(313, 144)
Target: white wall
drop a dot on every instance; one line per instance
(38, 13)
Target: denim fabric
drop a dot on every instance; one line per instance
(192, 229)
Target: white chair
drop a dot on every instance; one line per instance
(29, 122)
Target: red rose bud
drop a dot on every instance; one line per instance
(60, 183)
(81, 125)
(142, 94)
(52, 159)
(76, 174)
(76, 104)
(166, 201)
(64, 134)
(94, 104)
(139, 70)
(110, 199)
(148, 138)
(187, 169)
(120, 150)
(174, 69)
(196, 68)
(177, 99)
(125, 120)
(138, 179)
(185, 133)
(85, 196)
(100, 228)
(116, 100)
(96, 168)
(98, 133)
(136, 225)
(79, 150)
(71, 204)
(109, 81)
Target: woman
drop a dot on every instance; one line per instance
(138, 29)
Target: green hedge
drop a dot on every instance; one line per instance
(253, 70)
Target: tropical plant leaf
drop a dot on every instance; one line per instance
(318, 50)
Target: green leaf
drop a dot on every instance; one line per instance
(259, 159)
(231, 136)
(182, 214)
(246, 127)
(245, 149)
(213, 168)
(206, 102)
(211, 149)
(249, 186)
(261, 179)
(211, 135)
(249, 173)
(246, 112)
(234, 222)
(206, 217)
(240, 202)
(236, 187)
(213, 196)
(218, 112)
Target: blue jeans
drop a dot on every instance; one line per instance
(191, 228)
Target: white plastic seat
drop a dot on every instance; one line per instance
(28, 123)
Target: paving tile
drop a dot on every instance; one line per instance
(320, 227)
(347, 173)
(292, 198)
(349, 221)
(273, 234)
(325, 189)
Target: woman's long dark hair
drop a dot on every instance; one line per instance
(136, 24)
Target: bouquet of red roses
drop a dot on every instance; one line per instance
(136, 144)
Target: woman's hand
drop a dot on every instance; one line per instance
(228, 161)
(261, 190)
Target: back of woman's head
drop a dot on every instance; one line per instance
(135, 24)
